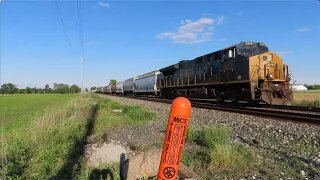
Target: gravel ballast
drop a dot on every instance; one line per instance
(283, 139)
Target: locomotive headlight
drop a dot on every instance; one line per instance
(270, 57)
(269, 76)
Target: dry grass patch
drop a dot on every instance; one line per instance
(307, 98)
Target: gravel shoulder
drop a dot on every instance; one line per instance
(277, 139)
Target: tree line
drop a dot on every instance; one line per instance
(312, 87)
(58, 88)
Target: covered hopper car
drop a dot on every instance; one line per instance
(128, 86)
(146, 84)
(119, 88)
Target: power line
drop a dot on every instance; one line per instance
(80, 26)
(63, 24)
(81, 41)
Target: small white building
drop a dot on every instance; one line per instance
(299, 87)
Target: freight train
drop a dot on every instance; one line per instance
(247, 71)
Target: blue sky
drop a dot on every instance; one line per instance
(127, 38)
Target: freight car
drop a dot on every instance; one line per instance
(146, 84)
(128, 86)
(246, 71)
(112, 89)
(106, 89)
(119, 88)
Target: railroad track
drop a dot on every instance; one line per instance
(291, 113)
(296, 108)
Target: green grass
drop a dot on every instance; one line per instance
(210, 136)
(50, 141)
(220, 156)
(18, 111)
(104, 172)
(130, 115)
(45, 134)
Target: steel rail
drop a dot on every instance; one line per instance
(274, 113)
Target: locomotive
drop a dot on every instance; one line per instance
(247, 71)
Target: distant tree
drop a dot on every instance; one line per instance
(93, 88)
(86, 90)
(55, 86)
(47, 89)
(74, 89)
(312, 87)
(8, 88)
(112, 82)
(34, 90)
(22, 91)
(61, 88)
(41, 91)
(28, 90)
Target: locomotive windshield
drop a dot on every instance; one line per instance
(251, 49)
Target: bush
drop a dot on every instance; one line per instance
(210, 136)
(219, 154)
(137, 114)
(18, 154)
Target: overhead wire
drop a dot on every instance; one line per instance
(81, 41)
(63, 24)
(80, 26)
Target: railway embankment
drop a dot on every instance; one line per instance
(260, 146)
(89, 137)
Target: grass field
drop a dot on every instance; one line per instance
(17, 111)
(45, 135)
(307, 98)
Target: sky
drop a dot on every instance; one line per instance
(41, 40)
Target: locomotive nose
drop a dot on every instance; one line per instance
(272, 66)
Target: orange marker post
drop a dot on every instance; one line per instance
(178, 123)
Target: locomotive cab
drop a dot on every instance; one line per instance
(245, 71)
(269, 78)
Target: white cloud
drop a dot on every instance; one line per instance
(304, 29)
(103, 4)
(190, 32)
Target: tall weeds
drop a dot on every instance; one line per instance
(40, 151)
(219, 153)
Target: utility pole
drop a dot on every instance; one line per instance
(81, 64)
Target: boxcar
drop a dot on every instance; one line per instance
(147, 83)
(128, 86)
(119, 88)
